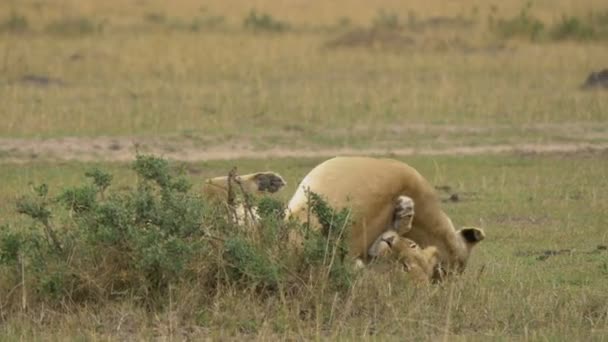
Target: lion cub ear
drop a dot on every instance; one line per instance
(472, 235)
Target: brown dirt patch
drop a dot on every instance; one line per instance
(15, 150)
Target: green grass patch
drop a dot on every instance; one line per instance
(74, 26)
(14, 23)
(263, 22)
(540, 273)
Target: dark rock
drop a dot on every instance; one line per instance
(597, 80)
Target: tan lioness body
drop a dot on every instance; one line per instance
(370, 186)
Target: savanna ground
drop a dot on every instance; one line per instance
(444, 86)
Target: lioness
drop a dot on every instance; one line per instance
(372, 188)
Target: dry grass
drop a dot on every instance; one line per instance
(186, 71)
(228, 84)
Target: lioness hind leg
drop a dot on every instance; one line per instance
(266, 181)
(403, 215)
(254, 182)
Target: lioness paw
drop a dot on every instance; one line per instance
(269, 181)
(403, 215)
(383, 244)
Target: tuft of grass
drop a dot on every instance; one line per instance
(574, 28)
(264, 22)
(73, 26)
(594, 26)
(15, 23)
(155, 18)
(386, 20)
(196, 24)
(524, 25)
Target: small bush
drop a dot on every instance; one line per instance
(10, 245)
(572, 28)
(152, 230)
(155, 18)
(328, 247)
(438, 22)
(15, 23)
(271, 209)
(195, 24)
(250, 265)
(344, 22)
(89, 243)
(591, 27)
(523, 25)
(264, 22)
(386, 20)
(600, 18)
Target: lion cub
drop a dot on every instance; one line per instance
(421, 264)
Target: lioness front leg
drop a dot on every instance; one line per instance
(403, 215)
(401, 223)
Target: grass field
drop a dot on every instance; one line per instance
(318, 77)
(530, 206)
(224, 82)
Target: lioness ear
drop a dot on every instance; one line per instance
(472, 235)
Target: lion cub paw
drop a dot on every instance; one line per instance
(403, 215)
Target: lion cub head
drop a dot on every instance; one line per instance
(421, 264)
